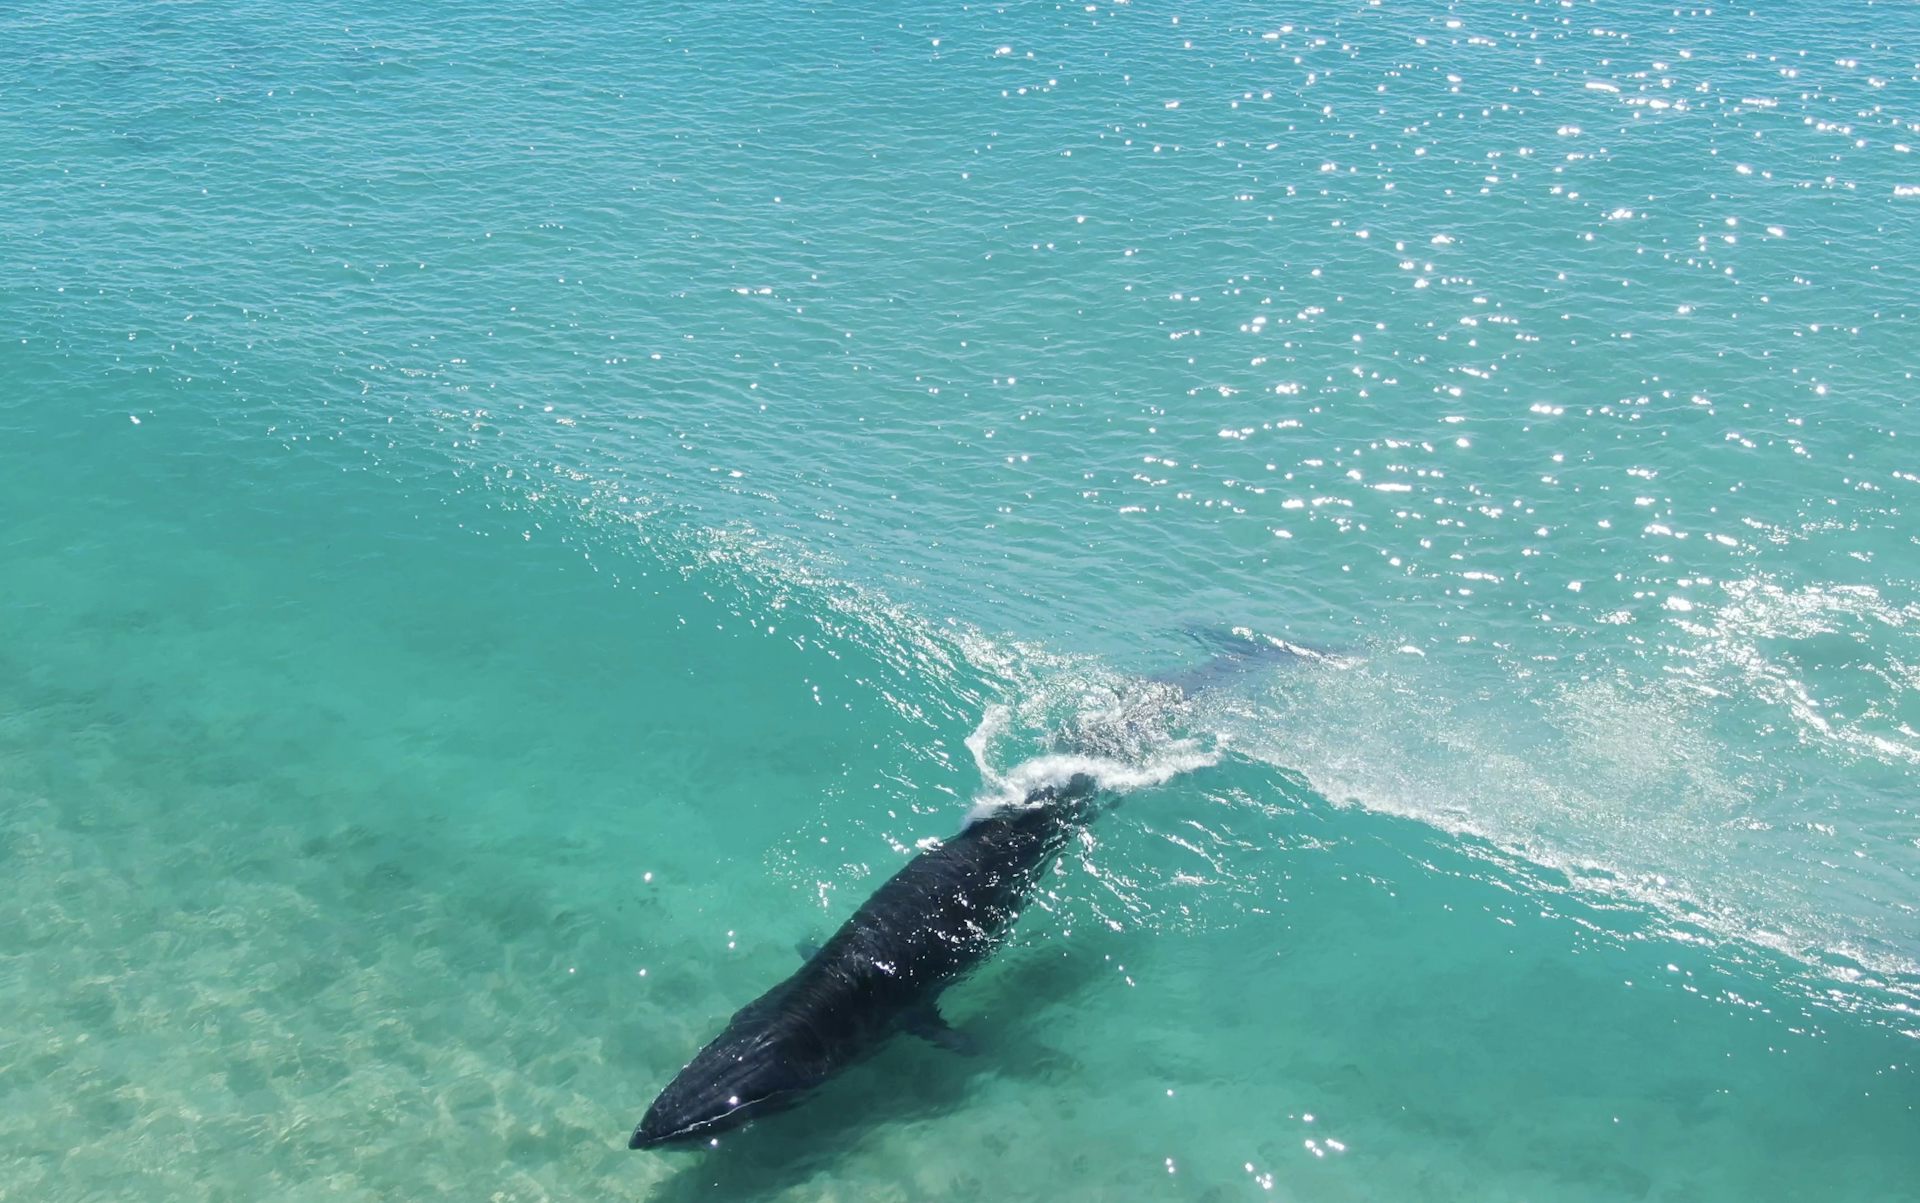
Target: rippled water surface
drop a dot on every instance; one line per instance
(511, 517)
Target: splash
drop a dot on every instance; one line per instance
(1122, 744)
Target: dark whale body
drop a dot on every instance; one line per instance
(932, 923)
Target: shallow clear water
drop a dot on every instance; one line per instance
(510, 518)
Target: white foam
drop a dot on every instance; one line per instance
(1624, 786)
(1111, 776)
(1134, 728)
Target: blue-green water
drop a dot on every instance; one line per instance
(512, 516)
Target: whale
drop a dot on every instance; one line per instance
(880, 975)
(931, 924)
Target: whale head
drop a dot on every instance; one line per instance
(729, 1083)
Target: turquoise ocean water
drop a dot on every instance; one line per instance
(513, 515)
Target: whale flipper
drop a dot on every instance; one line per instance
(932, 1027)
(808, 948)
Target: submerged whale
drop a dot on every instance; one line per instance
(882, 973)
